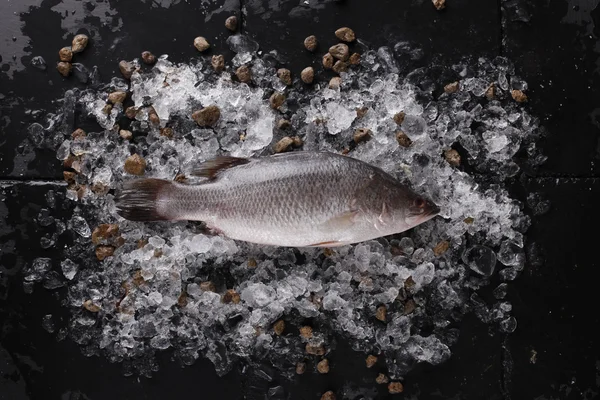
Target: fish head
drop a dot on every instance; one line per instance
(419, 209)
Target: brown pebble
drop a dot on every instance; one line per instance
(345, 34)
(65, 54)
(125, 134)
(231, 296)
(439, 4)
(252, 263)
(181, 178)
(167, 132)
(361, 135)
(452, 157)
(208, 116)
(311, 43)
(340, 66)
(409, 307)
(69, 176)
(354, 59)
(395, 388)
(297, 141)
(64, 68)
(441, 248)
(340, 51)
(490, 93)
(279, 327)
(127, 69)
(90, 306)
(153, 116)
(148, 58)
(306, 332)
(131, 112)
(117, 97)
(300, 368)
(328, 61)
(283, 145)
(285, 76)
(399, 118)
(78, 134)
(81, 190)
(315, 350)
(361, 111)
(307, 75)
(381, 313)
(518, 96)
(244, 74)
(201, 44)
(104, 251)
(469, 220)
(370, 361)
(231, 23)
(381, 379)
(335, 82)
(402, 139)
(218, 62)
(104, 232)
(100, 189)
(276, 100)
(107, 109)
(182, 300)
(323, 366)
(135, 165)
(451, 87)
(79, 43)
(409, 283)
(283, 124)
(329, 395)
(208, 286)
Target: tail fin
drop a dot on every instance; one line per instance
(138, 200)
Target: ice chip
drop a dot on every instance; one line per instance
(332, 301)
(414, 126)
(242, 44)
(480, 259)
(69, 268)
(80, 226)
(258, 295)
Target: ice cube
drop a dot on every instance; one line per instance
(480, 259)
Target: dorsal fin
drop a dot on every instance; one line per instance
(210, 169)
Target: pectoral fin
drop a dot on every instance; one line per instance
(342, 221)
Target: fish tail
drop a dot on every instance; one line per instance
(139, 199)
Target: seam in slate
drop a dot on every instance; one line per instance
(500, 17)
(242, 16)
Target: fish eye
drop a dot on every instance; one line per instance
(419, 202)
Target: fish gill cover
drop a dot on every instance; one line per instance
(459, 134)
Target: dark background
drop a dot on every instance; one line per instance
(554, 45)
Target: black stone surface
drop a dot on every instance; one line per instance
(553, 354)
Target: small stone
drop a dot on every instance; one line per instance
(104, 232)
(306, 332)
(252, 263)
(361, 111)
(370, 361)
(354, 59)
(402, 139)
(135, 165)
(167, 132)
(323, 366)
(79, 43)
(395, 388)
(518, 96)
(441, 248)
(104, 251)
(469, 220)
(452, 157)
(126, 68)
(439, 4)
(328, 61)
(382, 379)
(311, 43)
(218, 62)
(315, 350)
(78, 134)
(125, 134)
(90, 306)
(131, 112)
(329, 395)
(340, 66)
(208, 116)
(107, 109)
(231, 296)
(340, 51)
(300, 368)
(181, 178)
(279, 327)
(285, 76)
(409, 307)
(297, 141)
(65, 54)
(345, 34)
(244, 74)
(451, 87)
(490, 93)
(283, 145)
(153, 116)
(201, 44)
(409, 283)
(182, 300)
(208, 286)
(231, 23)
(117, 97)
(361, 135)
(69, 176)
(276, 100)
(381, 313)
(148, 58)
(335, 82)
(307, 75)
(399, 118)
(64, 68)
(283, 124)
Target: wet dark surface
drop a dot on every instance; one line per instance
(553, 354)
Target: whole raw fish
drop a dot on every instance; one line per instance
(293, 199)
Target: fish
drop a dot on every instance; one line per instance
(296, 199)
